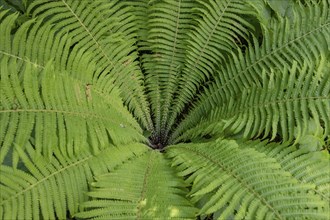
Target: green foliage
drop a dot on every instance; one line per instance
(139, 178)
(256, 185)
(232, 96)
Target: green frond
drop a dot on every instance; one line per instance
(206, 128)
(47, 44)
(142, 188)
(240, 89)
(284, 106)
(167, 34)
(221, 26)
(35, 107)
(37, 48)
(305, 41)
(47, 190)
(141, 11)
(307, 163)
(241, 183)
(107, 31)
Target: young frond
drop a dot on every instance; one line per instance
(166, 40)
(221, 26)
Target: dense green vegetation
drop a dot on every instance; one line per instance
(164, 109)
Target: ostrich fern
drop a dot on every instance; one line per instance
(165, 109)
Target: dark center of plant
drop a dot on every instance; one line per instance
(157, 142)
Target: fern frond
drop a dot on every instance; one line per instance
(46, 189)
(282, 107)
(222, 23)
(245, 84)
(284, 43)
(167, 34)
(15, 7)
(141, 11)
(306, 163)
(37, 48)
(237, 183)
(43, 45)
(143, 188)
(36, 106)
(286, 102)
(107, 31)
(207, 127)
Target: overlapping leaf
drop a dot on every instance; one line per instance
(306, 42)
(143, 188)
(58, 112)
(256, 185)
(47, 189)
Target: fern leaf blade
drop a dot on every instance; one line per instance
(247, 182)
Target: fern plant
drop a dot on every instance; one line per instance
(165, 109)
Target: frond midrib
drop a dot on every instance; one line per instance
(55, 111)
(210, 35)
(144, 185)
(172, 67)
(89, 33)
(79, 162)
(22, 59)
